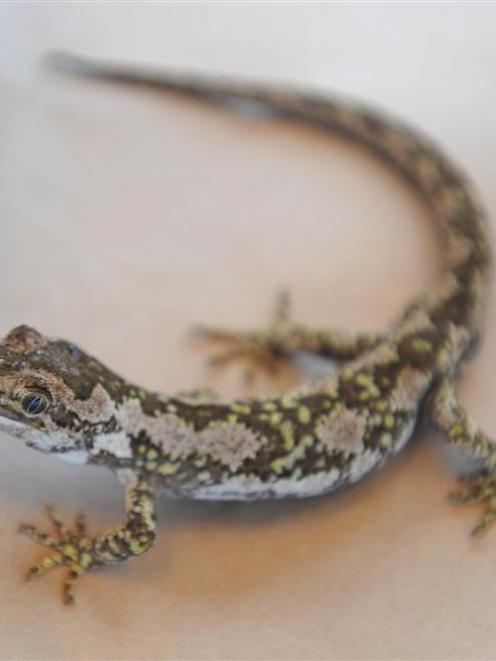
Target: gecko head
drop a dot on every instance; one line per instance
(52, 394)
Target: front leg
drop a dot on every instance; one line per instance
(78, 552)
(457, 427)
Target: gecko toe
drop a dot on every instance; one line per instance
(479, 488)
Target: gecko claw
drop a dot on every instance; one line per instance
(80, 524)
(478, 488)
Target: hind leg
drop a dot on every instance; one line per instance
(267, 349)
(457, 427)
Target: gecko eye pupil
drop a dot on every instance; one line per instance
(34, 404)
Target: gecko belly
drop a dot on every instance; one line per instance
(251, 487)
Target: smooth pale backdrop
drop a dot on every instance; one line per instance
(127, 215)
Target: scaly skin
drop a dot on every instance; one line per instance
(318, 438)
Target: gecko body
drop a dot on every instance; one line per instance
(323, 436)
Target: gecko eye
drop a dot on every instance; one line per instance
(34, 404)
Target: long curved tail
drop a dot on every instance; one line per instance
(467, 252)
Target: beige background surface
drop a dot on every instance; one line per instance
(127, 215)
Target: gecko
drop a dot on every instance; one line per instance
(319, 437)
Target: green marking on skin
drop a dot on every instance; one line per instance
(167, 468)
(421, 345)
(240, 408)
(347, 373)
(456, 430)
(386, 440)
(287, 433)
(288, 402)
(389, 421)
(364, 380)
(304, 415)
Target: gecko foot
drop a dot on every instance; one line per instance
(479, 488)
(264, 351)
(71, 548)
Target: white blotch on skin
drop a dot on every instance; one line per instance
(98, 408)
(445, 406)
(230, 444)
(176, 438)
(410, 387)
(343, 429)
(117, 443)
